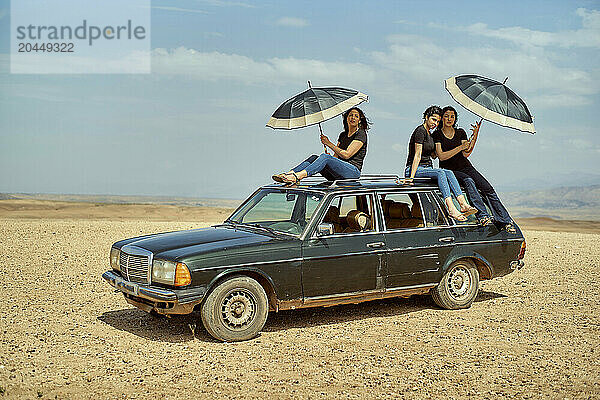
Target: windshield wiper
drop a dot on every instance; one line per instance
(262, 227)
(256, 226)
(229, 222)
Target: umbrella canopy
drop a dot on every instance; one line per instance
(491, 100)
(314, 106)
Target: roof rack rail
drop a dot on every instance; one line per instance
(314, 180)
(379, 177)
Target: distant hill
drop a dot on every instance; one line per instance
(577, 196)
(573, 202)
(569, 202)
(123, 199)
(580, 179)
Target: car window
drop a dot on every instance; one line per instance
(401, 211)
(312, 202)
(431, 210)
(350, 214)
(272, 207)
(282, 210)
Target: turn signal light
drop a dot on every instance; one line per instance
(182, 275)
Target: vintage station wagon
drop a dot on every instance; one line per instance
(318, 243)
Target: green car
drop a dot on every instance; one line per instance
(319, 243)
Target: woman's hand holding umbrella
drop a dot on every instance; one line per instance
(475, 130)
(326, 142)
(471, 143)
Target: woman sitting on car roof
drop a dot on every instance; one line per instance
(453, 148)
(349, 153)
(419, 164)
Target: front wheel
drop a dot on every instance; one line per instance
(235, 310)
(459, 286)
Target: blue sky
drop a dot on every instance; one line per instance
(195, 126)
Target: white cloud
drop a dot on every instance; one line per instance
(588, 36)
(187, 10)
(134, 62)
(411, 70)
(417, 61)
(213, 66)
(292, 22)
(581, 144)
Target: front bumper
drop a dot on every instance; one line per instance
(149, 298)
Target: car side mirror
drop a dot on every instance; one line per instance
(324, 229)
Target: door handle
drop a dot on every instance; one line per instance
(447, 239)
(375, 245)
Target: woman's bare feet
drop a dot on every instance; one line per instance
(459, 217)
(468, 211)
(279, 178)
(452, 211)
(288, 178)
(465, 208)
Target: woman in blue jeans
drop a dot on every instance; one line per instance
(419, 164)
(349, 153)
(453, 148)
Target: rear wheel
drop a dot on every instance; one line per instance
(459, 286)
(235, 310)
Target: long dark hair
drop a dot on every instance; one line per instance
(450, 108)
(363, 123)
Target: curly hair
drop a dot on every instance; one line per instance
(432, 110)
(363, 123)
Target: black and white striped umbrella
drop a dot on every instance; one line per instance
(491, 100)
(313, 106)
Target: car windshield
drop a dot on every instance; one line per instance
(280, 210)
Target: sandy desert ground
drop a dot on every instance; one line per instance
(65, 334)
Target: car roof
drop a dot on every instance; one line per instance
(365, 182)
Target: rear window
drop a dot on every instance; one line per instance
(401, 210)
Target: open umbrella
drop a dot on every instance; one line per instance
(313, 106)
(491, 100)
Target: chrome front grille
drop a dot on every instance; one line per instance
(134, 267)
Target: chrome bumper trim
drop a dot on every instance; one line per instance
(134, 289)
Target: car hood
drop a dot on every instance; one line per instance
(179, 244)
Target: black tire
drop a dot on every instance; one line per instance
(235, 310)
(458, 287)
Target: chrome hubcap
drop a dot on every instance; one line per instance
(459, 281)
(238, 309)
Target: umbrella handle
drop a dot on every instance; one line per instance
(480, 121)
(321, 132)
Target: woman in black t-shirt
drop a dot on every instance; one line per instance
(419, 164)
(453, 148)
(349, 153)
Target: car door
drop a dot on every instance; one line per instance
(349, 260)
(417, 236)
